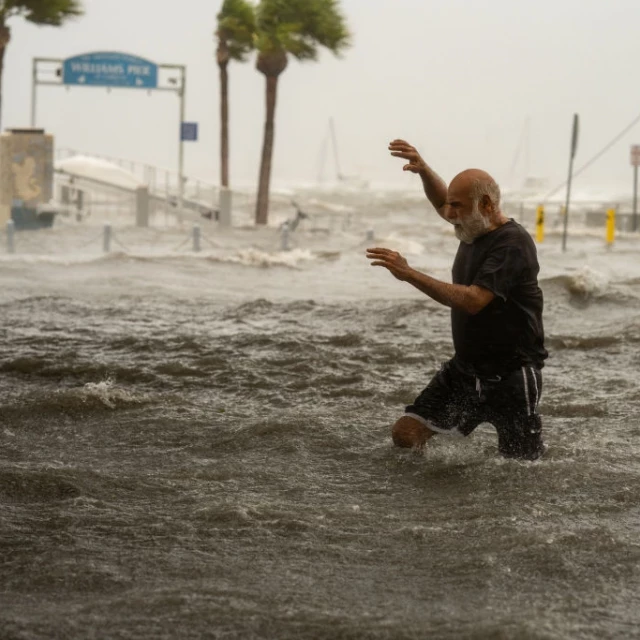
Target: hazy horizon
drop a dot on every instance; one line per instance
(461, 81)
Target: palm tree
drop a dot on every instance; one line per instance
(42, 12)
(298, 28)
(236, 29)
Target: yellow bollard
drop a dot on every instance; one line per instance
(540, 223)
(611, 226)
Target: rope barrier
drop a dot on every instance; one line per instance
(189, 237)
(117, 241)
(213, 244)
(86, 244)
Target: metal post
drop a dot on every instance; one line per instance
(224, 206)
(284, 237)
(167, 190)
(370, 235)
(106, 239)
(635, 198)
(540, 223)
(611, 227)
(142, 206)
(196, 237)
(11, 248)
(574, 145)
(34, 73)
(183, 74)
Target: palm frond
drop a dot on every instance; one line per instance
(301, 27)
(45, 12)
(237, 27)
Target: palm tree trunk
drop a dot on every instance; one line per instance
(2, 50)
(262, 206)
(5, 36)
(224, 125)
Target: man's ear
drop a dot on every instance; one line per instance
(486, 205)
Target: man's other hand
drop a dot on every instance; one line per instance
(390, 260)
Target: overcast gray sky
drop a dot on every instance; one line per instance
(458, 78)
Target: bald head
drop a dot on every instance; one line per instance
(473, 204)
(468, 176)
(479, 187)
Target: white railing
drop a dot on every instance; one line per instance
(162, 182)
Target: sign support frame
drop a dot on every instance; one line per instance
(635, 198)
(574, 147)
(635, 161)
(180, 90)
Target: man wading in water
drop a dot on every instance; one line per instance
(496, 319)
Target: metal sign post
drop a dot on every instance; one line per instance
(574, 147)
(635, 161)
(181, 93)
(112, 70)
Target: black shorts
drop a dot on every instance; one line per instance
(457, 402)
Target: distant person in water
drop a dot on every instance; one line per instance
(496, 319)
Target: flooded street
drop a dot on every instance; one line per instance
(196, 444)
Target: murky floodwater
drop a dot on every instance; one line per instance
(197, 444)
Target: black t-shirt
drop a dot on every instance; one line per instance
(508, 333)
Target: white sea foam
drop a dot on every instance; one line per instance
(331, 206)
(401, 244)
(107, 393)
(588, 282)
(257, 258)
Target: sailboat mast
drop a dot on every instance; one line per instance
(527, 149)
(335, 148)
(523, 145)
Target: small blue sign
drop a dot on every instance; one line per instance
(110, 69)
(189, 131)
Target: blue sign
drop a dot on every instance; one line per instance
(110, 69)
(189, 131)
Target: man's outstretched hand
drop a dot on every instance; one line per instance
(391, 260)
(402, 149)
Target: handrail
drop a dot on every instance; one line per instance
(131, 165)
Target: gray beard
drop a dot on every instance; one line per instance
(473, 227)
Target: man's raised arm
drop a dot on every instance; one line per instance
(434, 186)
